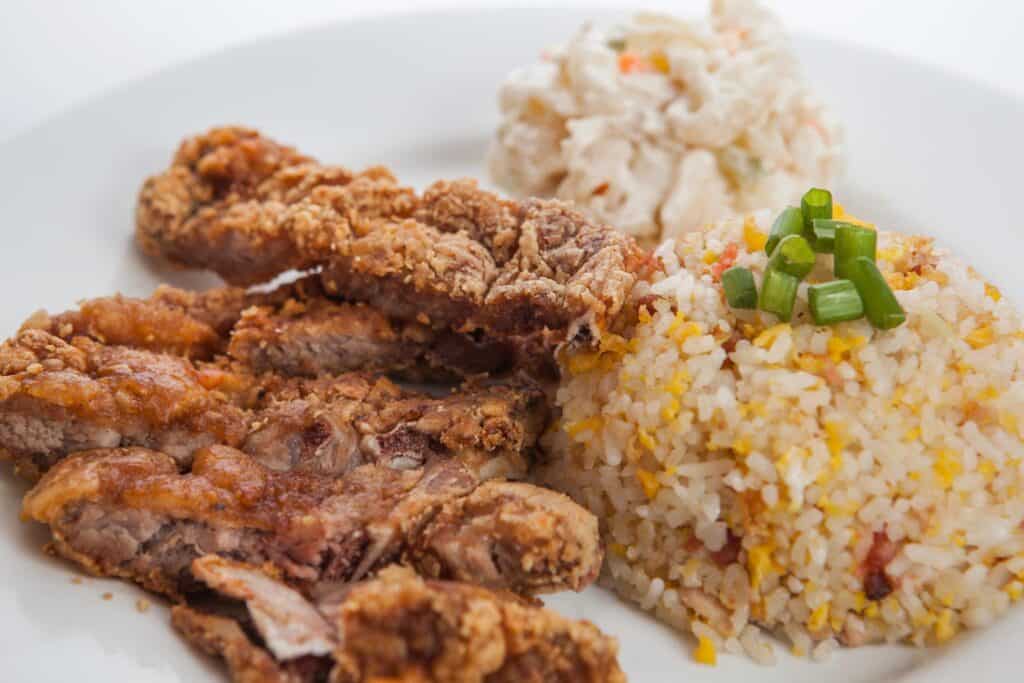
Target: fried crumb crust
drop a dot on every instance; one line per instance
(58, 397)
(249, 208)
(131, 513)
(398, 628)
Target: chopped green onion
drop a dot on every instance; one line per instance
(816, 203)
(825, 234)
(778, 292)
(617, 44)
(789, 222)
(793, 256)
(880, 304)
(740, 290)
(852, 242)
(834, 302)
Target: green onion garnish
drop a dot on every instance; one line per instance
(793, 256)
(825, 234)
(852, 242)
(816, 203)
(880, 304)
(834, 302)
(617, 44)
(740, 290)
(778, 292)
(789, 222)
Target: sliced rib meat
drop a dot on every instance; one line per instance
(309, 334)
(248, 208)
(395, 627)
(331, 425)
(295, 329)
(58, 397)
(130, 513)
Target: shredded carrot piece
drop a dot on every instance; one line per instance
(631, 63)
(725, 261)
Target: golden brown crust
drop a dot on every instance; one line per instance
(57, 397)
(175, 321)
(295, 329)
(122, 321)
(224, 638)
(328, 425)
(301, 331)
(560, 267)
(60, 396)
(530, 518)
(400, 627)
(248, 208)
(130, 513)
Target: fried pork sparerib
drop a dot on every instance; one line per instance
(305, 332)
(295, 329)
(249, 208)
(455, 257)
(58, 397)
(175, 321)
(130, 513)
(333, 424)
(396, 627)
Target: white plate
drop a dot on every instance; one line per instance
(927, 152)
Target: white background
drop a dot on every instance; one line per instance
(53, 54)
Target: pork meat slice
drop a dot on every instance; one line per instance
(131, 513)
(394, 627)
(57, 397)
(457, 257)
(295, 329)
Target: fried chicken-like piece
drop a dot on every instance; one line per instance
(58, 397)
(412, 629)
(197, 325)
(248, 208)
(306, 333)
(331, 425)
(472, 260)
(295, 329)
(130, 513)
(192, 324)
(396, 627)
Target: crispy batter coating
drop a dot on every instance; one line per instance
(563, 269)
(331, 425)
(302, 331)
(295, 329)
(396, 627)
(130, 513)
(401, 627)
(165, 322)
(197, 325)
(58, 397)
(247, 662)
(248, 208)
